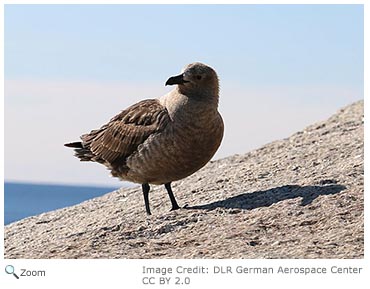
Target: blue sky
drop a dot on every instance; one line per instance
(69, 68)
(319, 43)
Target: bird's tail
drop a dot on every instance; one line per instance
(84, 154)
(76, 144)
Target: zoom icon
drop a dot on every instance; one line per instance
(9, 269)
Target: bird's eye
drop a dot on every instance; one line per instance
(199, 77)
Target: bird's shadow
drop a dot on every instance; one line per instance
(258, 199)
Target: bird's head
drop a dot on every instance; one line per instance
(196, 80)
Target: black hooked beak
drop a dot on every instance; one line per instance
(178, 79)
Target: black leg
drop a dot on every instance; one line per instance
(175, 206)
(146, 189)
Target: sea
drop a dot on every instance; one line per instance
(22, 200)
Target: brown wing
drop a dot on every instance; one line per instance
(126, 131)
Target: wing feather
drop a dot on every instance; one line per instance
(122, 135)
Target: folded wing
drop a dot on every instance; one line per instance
(122, 135)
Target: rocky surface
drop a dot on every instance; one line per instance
(300, 197)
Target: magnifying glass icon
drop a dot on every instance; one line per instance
(9, 269)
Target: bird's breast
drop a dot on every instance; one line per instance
(182, 148)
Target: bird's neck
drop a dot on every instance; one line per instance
(179, 105)
(207, 96)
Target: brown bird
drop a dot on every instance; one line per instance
(158, 141)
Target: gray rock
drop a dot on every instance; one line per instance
(300, 197)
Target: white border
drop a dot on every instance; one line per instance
(127, 273)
